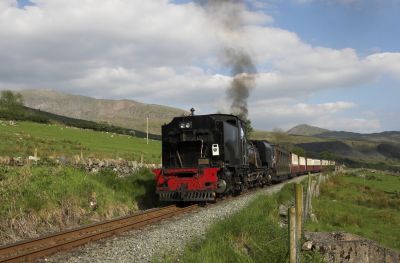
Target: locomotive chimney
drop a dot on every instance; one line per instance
(192, 111)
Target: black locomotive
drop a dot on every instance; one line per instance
(207, 156)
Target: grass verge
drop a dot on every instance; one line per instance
(36, 200)
(254, 234)
(362, 202)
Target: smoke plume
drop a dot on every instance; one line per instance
(227, 15)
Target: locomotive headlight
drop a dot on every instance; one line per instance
(186, 125)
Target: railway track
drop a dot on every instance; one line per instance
(34, 249)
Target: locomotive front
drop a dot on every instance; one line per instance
(196, 152)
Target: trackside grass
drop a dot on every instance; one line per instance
(58, 140)
(362, 202)
(252, 235)
(36, 200)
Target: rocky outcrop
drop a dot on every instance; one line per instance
(348, 248)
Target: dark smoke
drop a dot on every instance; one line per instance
(243, 71)
(228, 15)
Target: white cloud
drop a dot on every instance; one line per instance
(289, 107)
(386, 63)
(164, 53)
(286, 113)
(360, 125)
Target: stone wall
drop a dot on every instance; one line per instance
(348, 248)
(121, 167)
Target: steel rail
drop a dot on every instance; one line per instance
(33, 249)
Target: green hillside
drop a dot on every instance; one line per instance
(24, 130)
(283, 138)
(23, 113)
(57, 140)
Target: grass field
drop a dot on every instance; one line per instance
(36, 200)
(362, 202)
(251, 235)
(56, 140)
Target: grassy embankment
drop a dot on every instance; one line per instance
(362, 202)
(252, 235)
(36, 200)
(58, 140)
(42, 198)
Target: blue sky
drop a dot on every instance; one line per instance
(367, 26)
(330, 63)
(23, 3)
(364, 25)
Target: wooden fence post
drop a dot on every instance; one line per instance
(308, 197)
(320, 178)
(299, 210)
(313, 187)
(292, 235)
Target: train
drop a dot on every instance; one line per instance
(205, 157)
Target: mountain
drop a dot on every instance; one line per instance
(387, 136)
(306, 130)
(320, 133)
(368, 146)
(125, 113)
(375, 150)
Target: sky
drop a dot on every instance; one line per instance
(330, 63)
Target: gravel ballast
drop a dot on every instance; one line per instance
(170, 235)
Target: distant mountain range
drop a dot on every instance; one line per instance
(372, 147)
(306, 130)
(124, 113)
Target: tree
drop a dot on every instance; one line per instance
(10, 100)
(328, 155)
(248, 129)
(299, 151)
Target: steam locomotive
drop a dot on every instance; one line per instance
(208, 156)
